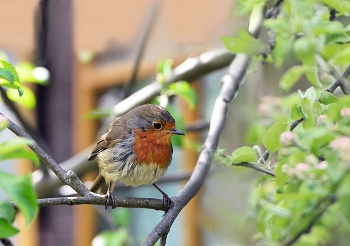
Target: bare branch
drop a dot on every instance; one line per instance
(229, 90)
(189, 70)
(95, 199)
(68, 178)
(6, 242)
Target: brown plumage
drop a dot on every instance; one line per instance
(137, 149)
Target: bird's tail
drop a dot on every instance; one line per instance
(99, 185)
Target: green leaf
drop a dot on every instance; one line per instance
(7, 75)
(6, 229)
(328, 27)
(121, 216)
(279, 211)
(9, 148)
(244, 154)
(21, 191)
(245, 44)
(7, 217)
(164, 69)
(329, 50)
(305, 48)
(3, 122)
(255, 134)
(281, 177)
(7, 212)
(28, 72)
(271, 138)
(245, 7)
(109, 238)
(22, 154)
(341, 57)
(8, 66)
(98, 113)
(283, 50)
(335, 4)
(328, 98)
(184, 90)
(8, 81)
(312, 75)
(296, 112)
(310, 94)
(27, 100)
(292, 76)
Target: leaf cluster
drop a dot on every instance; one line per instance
(312, 173)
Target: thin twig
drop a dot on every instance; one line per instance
(6, 242)
(340, 82)
(256, 167)
(331, 200)
(25, 124)
(146, 29)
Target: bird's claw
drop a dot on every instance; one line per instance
(167, 202)
(109, 199)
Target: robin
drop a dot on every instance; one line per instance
(136, 150)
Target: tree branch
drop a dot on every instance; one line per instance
(340, 82)
(189, 70)
(256, 167)
(95, 199)
(6, 242)
(68, 178)
(228, 92)
(331, 199)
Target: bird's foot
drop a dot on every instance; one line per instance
(167, 202)
(109, 199)
(166, 199)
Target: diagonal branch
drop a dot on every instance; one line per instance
(68, 178)
(331, 199)
(189, 70)
(228, 92)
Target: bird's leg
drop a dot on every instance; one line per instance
(109, 196)
(166, 199)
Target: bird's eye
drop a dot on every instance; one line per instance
(156, 125)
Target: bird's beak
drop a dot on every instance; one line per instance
(177, 132)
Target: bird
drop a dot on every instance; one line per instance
(136, 150)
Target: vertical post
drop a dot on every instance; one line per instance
(55, 51)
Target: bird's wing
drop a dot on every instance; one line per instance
(101, 145)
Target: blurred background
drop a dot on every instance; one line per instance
(90, 49)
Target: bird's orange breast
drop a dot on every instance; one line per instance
(153, 147)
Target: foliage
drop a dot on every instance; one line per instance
(180, 88)
(121, 218)
(312, 169)
(9, 77)
(307, 194)
(18, 188)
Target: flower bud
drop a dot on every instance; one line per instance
(342, 144)
(287, 138)
(322, 165)
(345, 112)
